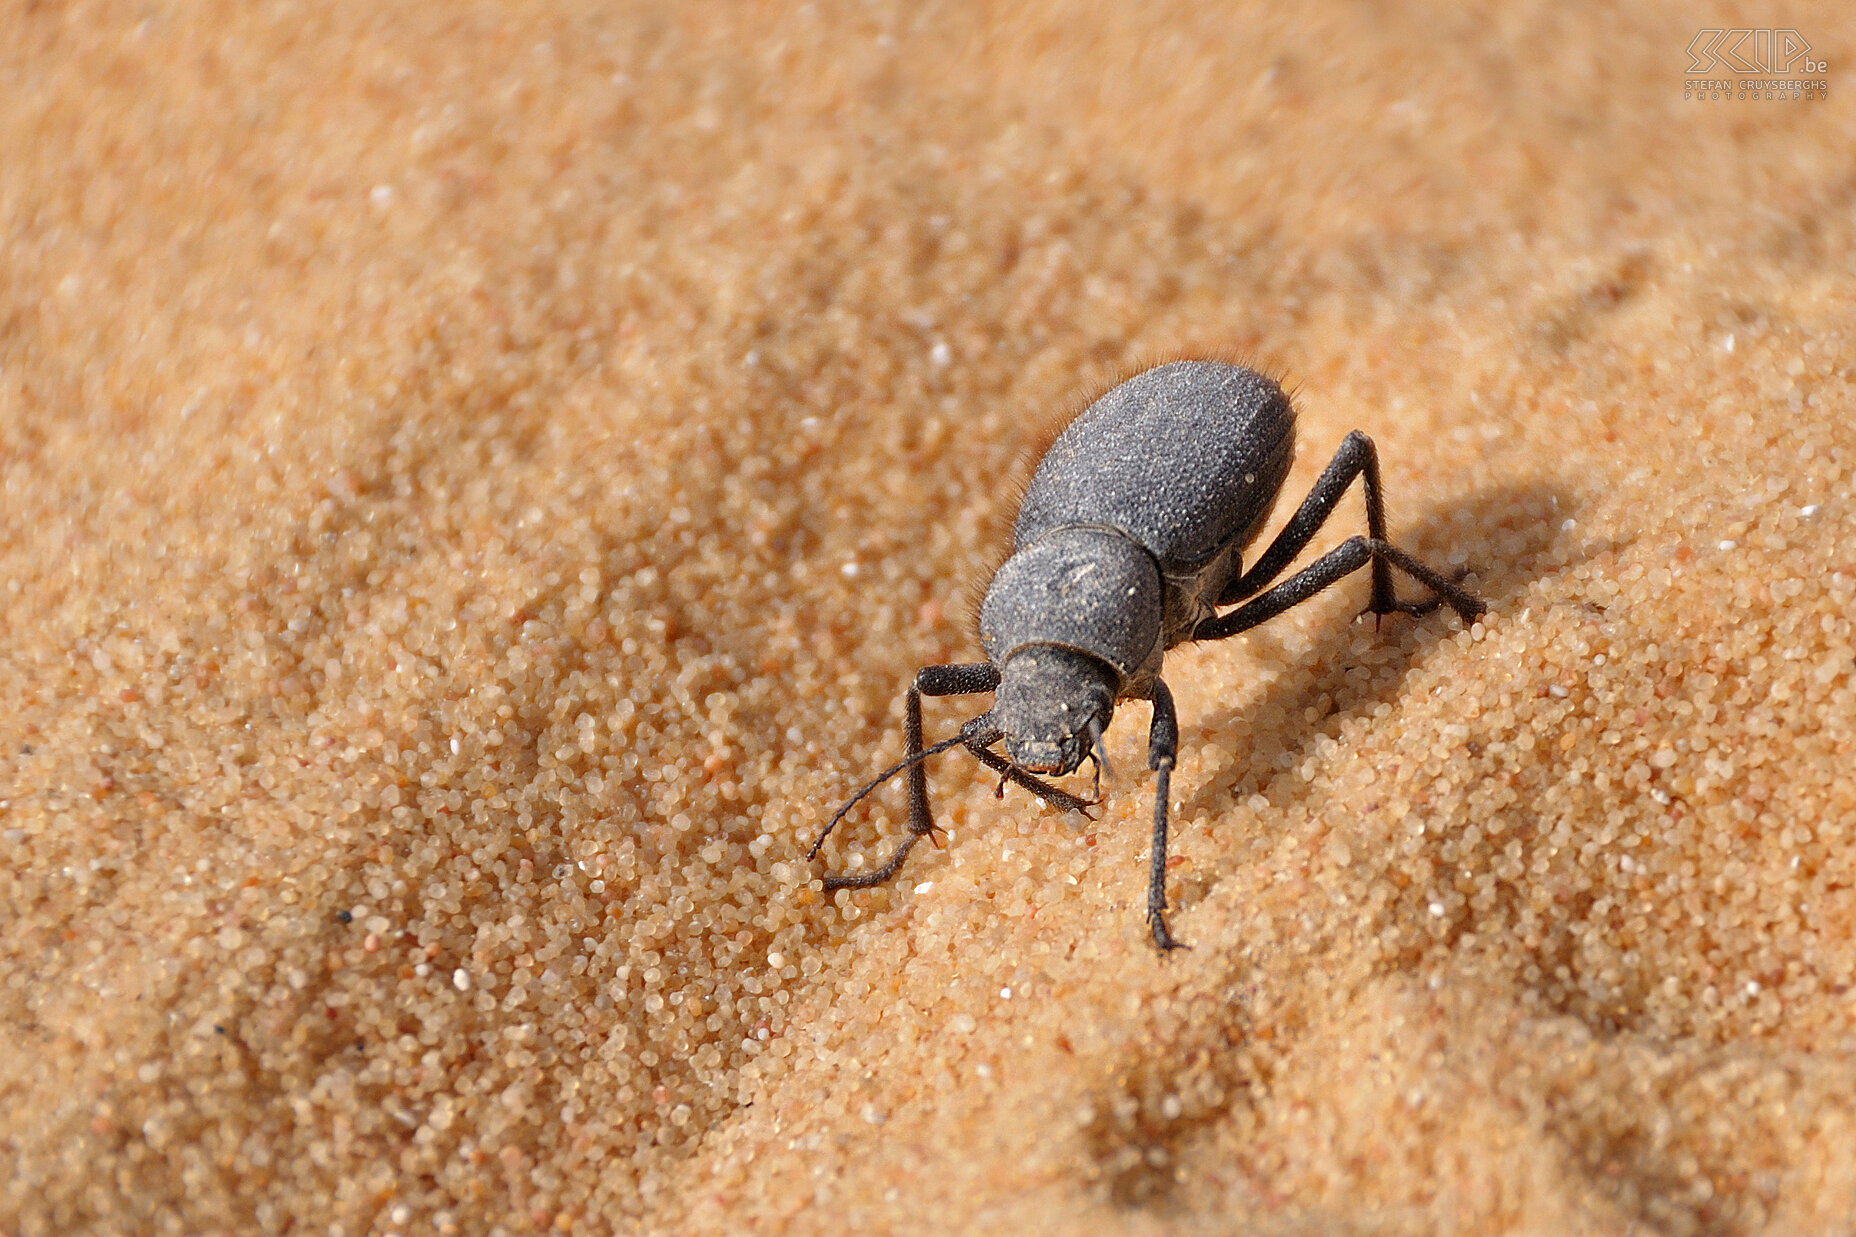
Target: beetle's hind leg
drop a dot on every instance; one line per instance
(1343, 560)
(1357, 457)
(1418, 609)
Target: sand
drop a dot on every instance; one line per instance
(475, 482)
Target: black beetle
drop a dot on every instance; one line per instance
(1128, 541)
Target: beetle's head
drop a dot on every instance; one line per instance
(1053, 703)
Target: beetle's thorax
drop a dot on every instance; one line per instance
(1084, 588)
(1073, 623)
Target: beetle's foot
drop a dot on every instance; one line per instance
(1062, 798)
(1156, 919)
(1417, 609)
(877, 876)
(1467, 606)
(863, 880)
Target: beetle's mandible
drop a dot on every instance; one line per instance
(1129, 541)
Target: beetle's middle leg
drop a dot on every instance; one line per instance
(1357, 457)
(1162, 751)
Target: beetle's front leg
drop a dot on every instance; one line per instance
(1162, 751)
(933, 681)
(1036, 785)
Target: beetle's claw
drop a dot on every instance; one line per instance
(1417, 609)
(1156, 919)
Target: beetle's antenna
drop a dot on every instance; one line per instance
(981, 730)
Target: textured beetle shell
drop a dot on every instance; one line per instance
(1181, 465)
(1088, 589)
(1185, 458)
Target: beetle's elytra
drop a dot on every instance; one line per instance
(1130, 540)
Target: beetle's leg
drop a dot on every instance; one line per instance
(1344, 559)
(1098, 757)
(956, 680)
(1162, 751)
(1417, 609)
(1356, 456)
(936, 681)
(960, 680)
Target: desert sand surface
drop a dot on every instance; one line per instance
(475, 481)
